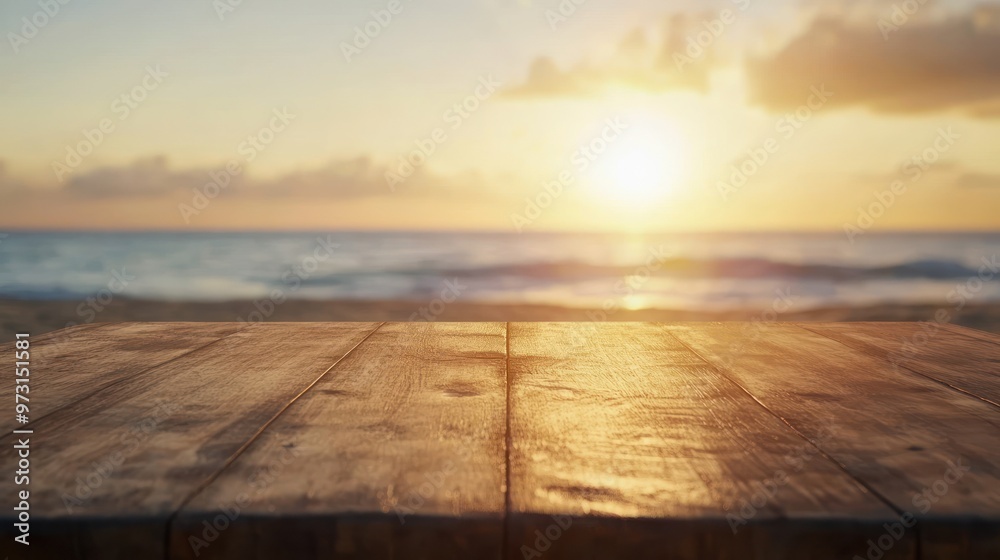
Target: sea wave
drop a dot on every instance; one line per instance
(737, 268)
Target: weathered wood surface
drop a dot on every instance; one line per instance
(898, 433)
(926, 350)
(77, 366)
(139, 447)
(614, 422)
(401, 449)
(492, 440)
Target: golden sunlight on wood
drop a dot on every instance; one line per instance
(580, 440)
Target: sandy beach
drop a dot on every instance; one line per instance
(37, 317)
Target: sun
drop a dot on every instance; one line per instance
(641, 168)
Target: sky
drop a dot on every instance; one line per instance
(510, 115)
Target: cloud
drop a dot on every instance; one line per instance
(339, 179)
(145, 177)
(636, 64)
(947, 174)
(363, 177)
(921, 66)
(351, 178)
(978, 181)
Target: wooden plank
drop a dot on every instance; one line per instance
(70, 364)
(58, 333)
(625, 444)
(964, 363)
(974, 333)
(398, 453)
(111, 469)
(901, 434)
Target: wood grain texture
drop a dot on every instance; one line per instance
(137, 449)
(60, 333)
(974, 333)
(350, 441)
(397, 453)
(628, 445)
(901, 434)
(73, 363)
(961, 362)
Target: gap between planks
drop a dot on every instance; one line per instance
(508, 443)
(236, 454)
(505, 545)
(726, 374)
(907, 368)
(123, 379)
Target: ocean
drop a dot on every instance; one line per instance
(723, 271)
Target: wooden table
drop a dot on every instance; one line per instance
(518, 440)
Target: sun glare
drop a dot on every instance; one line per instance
(643, 167)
